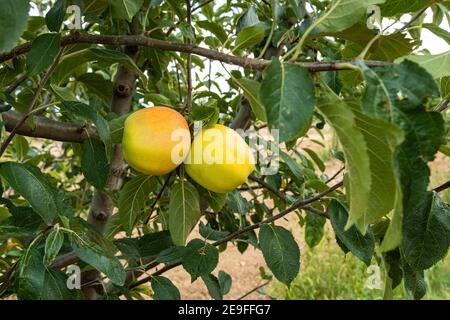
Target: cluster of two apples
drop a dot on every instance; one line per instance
(157, 140)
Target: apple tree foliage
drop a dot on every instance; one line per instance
(67, 197)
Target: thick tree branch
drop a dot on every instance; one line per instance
(140, 40)
(48, 129)
(102, 205)
(243, 116)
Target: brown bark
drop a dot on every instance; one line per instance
(140, 40)
(102, 206)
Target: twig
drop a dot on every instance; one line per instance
(158, 197)
(317, 212)
(268, 187)
(32, 102)
(298, 205)
(201, 5)
(253, 290)
(442, 187)
(443, 106)
(335, 175)
(17, 83)
(417, 16)
(284, 198)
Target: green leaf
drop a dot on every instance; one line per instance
(287, 91)
(386, 47)
(98, 85)
(125, 9)
(426, 233)
(251, 90)
(200, 258)
(237, 203)
(99, 258)
(314, 229)
(342, 119)
(382, 139)
(445, 87)
(158, 99)
(209, 233)
(184, 211)
(293, 167)
(31, 184)
(13, 21)
(342, 14)
(37, 282)
(43, 52)
(5, 107)
(316, 158)
(132, 200)
(361, 246)
(393, 235)
(23, 224)
(63, 93)
(394, 7)
(85, 112)
(208, 113)
(171, 255)
(432, 63)
(215, 200)
(94, 163)
(298, 6)
(21, 147)
(250, 36)
(187, 31)
(155, 3)
(116, 127)
(214, 28)
(392, 260)
(55, 16)
(280, 252)
(414, 281)
(249, 18)
(149, 245)
(53, 244)
(442, 33)
(225, 282)
(398, 93)
(4, 214)
(213, 286)
(164, 289)
(117, 56)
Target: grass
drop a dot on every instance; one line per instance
(328, 274)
